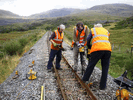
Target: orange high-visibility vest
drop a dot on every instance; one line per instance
(82, 35)
(58, 39)
(100, 39)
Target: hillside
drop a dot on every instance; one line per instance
(114, 9)
(123, 10)
(56, 13)
(7, 14)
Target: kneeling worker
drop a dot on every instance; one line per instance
(56, 47)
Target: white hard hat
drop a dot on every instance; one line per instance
(62, 26)
(99, 25)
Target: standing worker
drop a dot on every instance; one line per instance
(101, 49)
(79, 38)
(56, 47)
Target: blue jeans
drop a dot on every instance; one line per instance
(95, 57)
(54, 53)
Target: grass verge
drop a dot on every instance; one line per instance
(8, 63)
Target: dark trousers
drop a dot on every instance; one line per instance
(82, 54)
(95, 57)
(54, 53)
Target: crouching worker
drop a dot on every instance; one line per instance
(100, 49)
(56, 47)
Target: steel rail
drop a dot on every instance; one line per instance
(59, 83)
(57, 75)
(85, 86)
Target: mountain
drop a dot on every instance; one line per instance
(118, 9)
(114, 9)
(56, 13)
(7, 14)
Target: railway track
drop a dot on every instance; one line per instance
(70, 84)
(61, 85)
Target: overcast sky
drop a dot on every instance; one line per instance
(28, 7)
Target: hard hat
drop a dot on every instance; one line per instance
(99, 25)
(62, 26)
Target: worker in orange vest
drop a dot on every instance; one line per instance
(100, 49)
(79, 38)
(56, 47)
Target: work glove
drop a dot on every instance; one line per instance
(63, 49)
(82, 44)
(71, 48)
(79, 45)
(55, 45)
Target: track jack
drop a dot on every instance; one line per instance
(31, 75)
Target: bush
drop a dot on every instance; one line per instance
(125, 23)
(129, 67)
(12, 47)
(23, 41)
(1, 54)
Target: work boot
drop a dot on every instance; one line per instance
(49, 70)
(59, 68)
(83, 81)
(102, 88)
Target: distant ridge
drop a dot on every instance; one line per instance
(56, 13)
(7, 14)
(117, 9)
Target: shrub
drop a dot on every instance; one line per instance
(125, 23)
(129, 67)
(12, 47)
(23, 41)
(1, 54)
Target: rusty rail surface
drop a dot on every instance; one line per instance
(89, 92)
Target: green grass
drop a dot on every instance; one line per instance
(14, 48)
